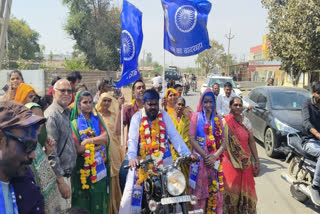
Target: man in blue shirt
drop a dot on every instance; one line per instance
(18, 140)
(151, 110)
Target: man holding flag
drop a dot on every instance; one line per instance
(131, 42)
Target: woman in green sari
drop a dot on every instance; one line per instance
(90, 191)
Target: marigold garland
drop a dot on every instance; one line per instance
(213, 143)
(152, 143)
(90, 163)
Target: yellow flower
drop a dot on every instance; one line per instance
(211, 137)
(156, 154)
(216, 119)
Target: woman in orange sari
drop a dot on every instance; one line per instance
(240, 194)
(170, 97)
(25, 94)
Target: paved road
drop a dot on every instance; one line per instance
(273, 193)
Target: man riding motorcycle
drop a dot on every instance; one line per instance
(194, 80)
(311, 137)
(148, 138)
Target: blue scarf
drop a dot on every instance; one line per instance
(83, 124)
(201, 139)
(2, 201)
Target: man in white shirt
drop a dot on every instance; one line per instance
(223, 100)
(156, 81)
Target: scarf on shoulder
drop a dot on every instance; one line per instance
(238, 156)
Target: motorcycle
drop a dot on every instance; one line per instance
(300, 170)
(164, 191)
(186, 89)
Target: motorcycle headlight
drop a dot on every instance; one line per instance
(284, 127)
(176, 183)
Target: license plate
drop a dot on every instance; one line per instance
(174, 200)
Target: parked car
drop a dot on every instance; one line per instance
(276, 112)
(221, 80)
(172, 75)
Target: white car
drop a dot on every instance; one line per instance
(221, 80)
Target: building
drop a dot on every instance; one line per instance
(261, 67)
(240, 71)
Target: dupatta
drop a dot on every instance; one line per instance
(79, 124)
(236, 136)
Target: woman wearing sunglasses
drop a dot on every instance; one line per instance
(238, 166)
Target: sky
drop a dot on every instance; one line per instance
(246, 19)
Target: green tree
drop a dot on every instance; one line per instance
(294, 34)
(96, 27)
(22, 41)
(210, 58)
(78, 63)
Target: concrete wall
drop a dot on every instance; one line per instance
(89, 78)
(41, 79)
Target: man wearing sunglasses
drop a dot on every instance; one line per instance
(59, 128)
(18, 140)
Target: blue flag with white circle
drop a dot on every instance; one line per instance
(131, 42)
(185, 26)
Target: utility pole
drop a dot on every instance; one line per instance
(229, 37)
(5, 9)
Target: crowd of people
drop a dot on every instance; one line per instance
(62, 153)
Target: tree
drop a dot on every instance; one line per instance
(294, 34)
(22, 41)
(96, 27)
(211, 58)
(78, 63)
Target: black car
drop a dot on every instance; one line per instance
(172, 75)
(276, 112)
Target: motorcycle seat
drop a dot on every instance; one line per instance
(296, 143)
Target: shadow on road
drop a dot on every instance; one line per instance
(267, 165)
(311, 206)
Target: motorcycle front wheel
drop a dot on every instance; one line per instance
(302, 175)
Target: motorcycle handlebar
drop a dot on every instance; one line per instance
(142, 163)
(176, 163)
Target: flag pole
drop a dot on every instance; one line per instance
(163, 71)
(122, 143)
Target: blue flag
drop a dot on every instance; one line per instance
(131, 42)
(185, 26)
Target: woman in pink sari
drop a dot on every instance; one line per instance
(240, 194)
(206, 137)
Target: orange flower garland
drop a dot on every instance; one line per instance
(90, 163)
(213, 142)
(152, 143)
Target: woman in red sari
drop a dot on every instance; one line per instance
(238, 166)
